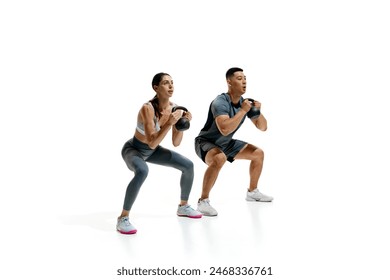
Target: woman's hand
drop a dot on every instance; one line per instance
(187, 115)
(174, 117)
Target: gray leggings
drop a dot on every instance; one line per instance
(136, 154)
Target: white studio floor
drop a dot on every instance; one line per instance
(303, 234)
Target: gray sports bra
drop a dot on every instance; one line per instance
(140, 126)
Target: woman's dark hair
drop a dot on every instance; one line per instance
(155, 82)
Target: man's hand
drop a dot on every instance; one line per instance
(257, 104)
(246, 105)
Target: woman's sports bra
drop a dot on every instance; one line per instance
(140, 126)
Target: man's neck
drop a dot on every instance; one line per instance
(235, 98)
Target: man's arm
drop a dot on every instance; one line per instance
(261, 121)
(227, 125)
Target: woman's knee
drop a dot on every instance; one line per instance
(186, 165)
(141, 171)
(189, 164)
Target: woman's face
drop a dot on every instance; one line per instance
(165, 87)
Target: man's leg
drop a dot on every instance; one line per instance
(256, 156)
(215, 159)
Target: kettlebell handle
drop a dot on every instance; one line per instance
(179, 108)
(183, 123)
(254, 112)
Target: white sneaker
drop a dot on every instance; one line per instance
(205, 208)
(187, 211)
(255, 195)
(124, 226)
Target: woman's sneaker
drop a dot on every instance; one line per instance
(187, 211)
(124, 226)
(255, 195)
(205, 208)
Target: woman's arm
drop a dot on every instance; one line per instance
(177, 135)
(154, 137)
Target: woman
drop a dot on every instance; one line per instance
(155, 119)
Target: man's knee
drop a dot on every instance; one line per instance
(218, 160)
(258, 154)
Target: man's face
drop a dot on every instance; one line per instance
(237, 83)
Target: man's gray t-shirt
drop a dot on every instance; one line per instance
(221, 105)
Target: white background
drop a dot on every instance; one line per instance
(73, 75)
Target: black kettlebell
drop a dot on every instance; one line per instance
(254, 112)
(183, 123)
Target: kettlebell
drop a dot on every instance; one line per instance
(254, 112)
(183, 123)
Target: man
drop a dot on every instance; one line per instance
(215, 144)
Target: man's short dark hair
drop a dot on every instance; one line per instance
(231, 72)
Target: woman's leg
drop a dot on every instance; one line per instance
(137, 164)
(170, 158)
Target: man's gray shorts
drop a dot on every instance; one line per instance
(202, 146)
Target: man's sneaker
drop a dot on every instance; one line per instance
(255, 195)
(205, 208)
(187, 211)
(124, 226)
